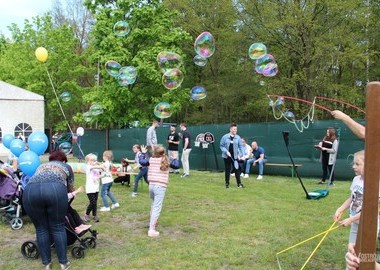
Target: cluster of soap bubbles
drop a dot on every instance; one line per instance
(279, 105)
(204, 47)
(124, 75)
(265, 63)
(162, 110)
(169, 64)
(95, 110)
(28, 160)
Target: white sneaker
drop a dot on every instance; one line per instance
(113, 206)
(134, 194)
(104, 209)
(232, 174)
(153, 233)
(259, 177)
(246, 175)
(242, 174)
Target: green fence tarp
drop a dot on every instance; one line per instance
(268, 135)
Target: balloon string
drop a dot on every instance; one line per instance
(60, 106)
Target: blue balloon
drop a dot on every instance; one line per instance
(38, 142)
(29, 162)
(17, 147)
(7, 139)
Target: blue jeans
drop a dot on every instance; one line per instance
(46, 205)
(157, 196)
(106, 191)
(251, 161)
(142, 173)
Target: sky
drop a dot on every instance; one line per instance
(16, 11)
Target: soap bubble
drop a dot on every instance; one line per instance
(121, 28)
(113, 67)
(65, 96)
(96, 109)
(263, 62)
(289, 115)
(257, 50)
(262, 83)
(168, 60)
(162, 110)
(127, 76)
(200, 60)
(204, 45)
(270, 70)
(198, 93)
(87, 116)
(279, 102)
(172, 79)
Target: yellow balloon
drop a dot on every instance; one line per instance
(41, 54)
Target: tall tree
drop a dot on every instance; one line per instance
(152, 31)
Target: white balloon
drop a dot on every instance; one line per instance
(80, 131)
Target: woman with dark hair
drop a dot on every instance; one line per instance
(329, 150)
(45, 199)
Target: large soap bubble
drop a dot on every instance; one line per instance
(263, 62)
(204, 45)
(163, 110)
(198, 93)
(168, 60)
(257, 50)
(121, 28)
(200, 60)
(127, 76)
(113, 68)
(172, 79)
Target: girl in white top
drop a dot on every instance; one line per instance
(93, 171)
(107, 181)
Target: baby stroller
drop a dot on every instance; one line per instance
(10, 197)
(29, 249)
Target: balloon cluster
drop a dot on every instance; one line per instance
(265, 63)
(28, 160)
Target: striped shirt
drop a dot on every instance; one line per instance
(155, 175)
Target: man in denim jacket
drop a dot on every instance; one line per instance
(231, 147)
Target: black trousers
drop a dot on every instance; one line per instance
(228, 165)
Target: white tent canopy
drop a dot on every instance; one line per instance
(21, 111)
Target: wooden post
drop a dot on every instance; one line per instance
(366, 241)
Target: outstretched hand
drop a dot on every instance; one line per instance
(144, 149)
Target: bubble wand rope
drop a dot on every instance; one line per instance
(60, 106)
(320, 242)
(342, 102)
(304, 101)
(304, 241)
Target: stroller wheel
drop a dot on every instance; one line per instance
(29, 250)
(91, 242)
(16, 223)
(77, 252)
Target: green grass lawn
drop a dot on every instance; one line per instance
(205, 226)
